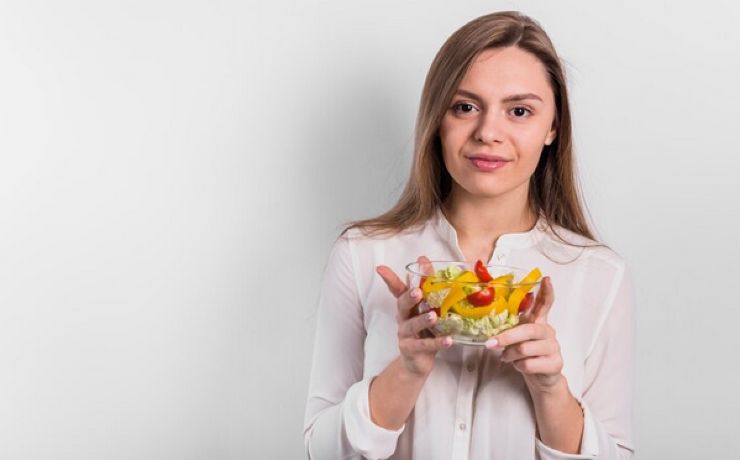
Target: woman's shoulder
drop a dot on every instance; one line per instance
(359, 235)
(368, 248)
(564, 245)
(356, 252)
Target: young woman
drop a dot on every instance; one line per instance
(492, 179)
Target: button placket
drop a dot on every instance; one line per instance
(499, 256)
(464, 407)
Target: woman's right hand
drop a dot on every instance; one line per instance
(417, 352)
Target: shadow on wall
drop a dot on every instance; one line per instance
(357, 158)
(360, 157)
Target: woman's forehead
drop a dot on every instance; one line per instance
(502, 72)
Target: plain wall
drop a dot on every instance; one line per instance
(172, 175)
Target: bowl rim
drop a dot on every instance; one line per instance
(522, 271)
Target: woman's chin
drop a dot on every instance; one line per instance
(487, 191)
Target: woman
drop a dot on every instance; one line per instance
(492, 179)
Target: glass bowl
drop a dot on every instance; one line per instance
(473, 301)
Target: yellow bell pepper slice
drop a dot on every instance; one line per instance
(436, 284)
(456, 293)
(503, 279)
(502, 285)
(502, 292)
(516, 297)
(496, 306)
(500, 304)
(467, 277)
(473, 312)
(430, 285)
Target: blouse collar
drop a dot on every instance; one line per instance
(521, 240)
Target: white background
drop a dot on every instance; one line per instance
(172, 175)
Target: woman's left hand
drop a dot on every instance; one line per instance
(532, 347)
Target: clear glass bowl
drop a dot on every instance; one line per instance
(470, 309)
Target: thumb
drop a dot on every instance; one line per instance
(543, 302)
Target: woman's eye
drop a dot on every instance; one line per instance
(520, 112)
(463, 107)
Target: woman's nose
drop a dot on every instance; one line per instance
(489, 128)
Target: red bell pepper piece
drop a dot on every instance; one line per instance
(482, 272)
(482, 297)
(527, 302)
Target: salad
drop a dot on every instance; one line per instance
(474, 305)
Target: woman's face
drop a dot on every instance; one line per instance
(497, 124)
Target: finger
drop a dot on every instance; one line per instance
(413, 326)
(410, 346)
(407, 303)
(544, 301)
(394, 283)
(425, 269)
(425, 265)
(529, 349)
(539, 365)
(518, 334)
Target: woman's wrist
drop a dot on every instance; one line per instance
(409, 372)
(559, 416)
(393, 393)
(556, 390)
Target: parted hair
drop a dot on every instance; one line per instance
(553, 187)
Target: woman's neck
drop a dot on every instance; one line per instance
(479, 222)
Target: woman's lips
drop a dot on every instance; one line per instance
(483, 164)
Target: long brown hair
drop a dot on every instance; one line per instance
(553, 188)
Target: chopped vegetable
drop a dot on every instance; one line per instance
(482, 297)
(473, 303)
(526, 302)
(516, 297)
(482, 272)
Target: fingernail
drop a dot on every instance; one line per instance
(416, 293)
(491, 343)
(431, 315)
(447, 341)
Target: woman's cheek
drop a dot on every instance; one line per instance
(531, 155)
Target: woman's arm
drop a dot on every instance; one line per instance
(607, 397)
(393, 393)
(335, 424)
(608, 378)
(340, 422)
(598, 424)
(534, 351)
(559, 417)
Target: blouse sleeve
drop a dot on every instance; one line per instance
(607, 396)
(337, 421)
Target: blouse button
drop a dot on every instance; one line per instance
(462, 426)
(471, 366)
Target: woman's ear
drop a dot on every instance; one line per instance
(551, 135)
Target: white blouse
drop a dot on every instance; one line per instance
(472, 405)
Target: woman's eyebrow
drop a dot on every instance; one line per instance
(521, 97)
(512, 98)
